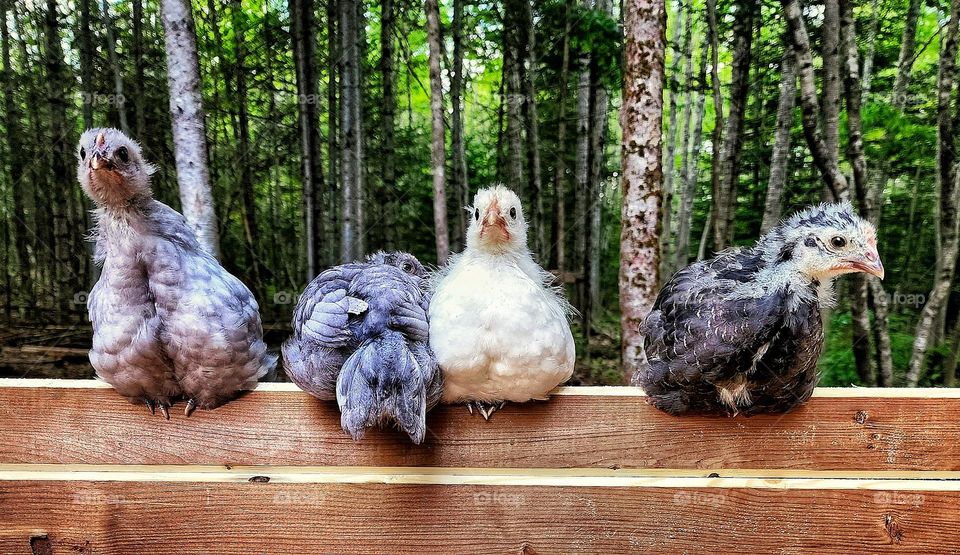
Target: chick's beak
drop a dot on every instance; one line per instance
(868, 262)
(493, 220)
(99, 161)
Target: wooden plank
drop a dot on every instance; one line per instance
(85, 422)
(89, 423)
(492, 516)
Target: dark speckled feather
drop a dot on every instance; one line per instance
(360, 335)
(741, 333)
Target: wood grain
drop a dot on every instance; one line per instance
(278, 517)
(282, 426)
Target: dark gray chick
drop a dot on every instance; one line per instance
(168, 320)
(741, 333)
(360, 335)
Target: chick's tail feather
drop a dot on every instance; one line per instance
(384, 381)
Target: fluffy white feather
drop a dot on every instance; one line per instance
(498, 328)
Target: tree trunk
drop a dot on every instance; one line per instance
(461, 187)
(641, 116)
(594, 197)
(251, 230)
(438, 145)
(560, 173)
(527, 67)
(780, 158)
(85, 39)
(948, 209)
(834, 180)
(60, 159)
(682, 28)
(119, 99)
(716, 138)
(581, 170)
(908, 44)
(830, 105)
(866, 80)
(333, 117)
(311, 168)
(730, 148)
(691, 167)
(855, 154)
(138, 64)
(22, 239)
(351, 167)
(186, 114)
(950, 371)
(512, 59)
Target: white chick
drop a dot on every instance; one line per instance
(497, 326)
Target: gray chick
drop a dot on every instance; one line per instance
(360, 336)
(168, 320)
(741, 333)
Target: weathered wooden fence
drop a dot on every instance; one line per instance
(594, 470)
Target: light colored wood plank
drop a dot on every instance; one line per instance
(251, 517)
(600, 478)
(588, 391)
(93, 425)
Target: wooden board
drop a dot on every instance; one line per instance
(415, 511)
(48, 421)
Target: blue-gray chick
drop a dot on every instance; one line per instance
(168, 320)
(360, 335)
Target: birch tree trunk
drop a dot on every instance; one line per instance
(692, 166)
(948, 209)
(669, 152)
(730, 148)
(333, 129)
(251, 231)
(641, 116)
(351, 167)
(140, 117)
(780, 159)
(582, 171)
(560, 174)
(855, 154)
(186, 114)
(120, 100)
(534, 173)
(85, 40)
(830, 105)
(311, 168)
(594, 205)
(866, 80)
(438, 144)
(461, 187)
(809, 103)
(512, 58)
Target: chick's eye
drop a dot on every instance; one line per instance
(123, 155)
(476, 214)
(407, 267)
(838, 242)
(513, 212)
(83, 153)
